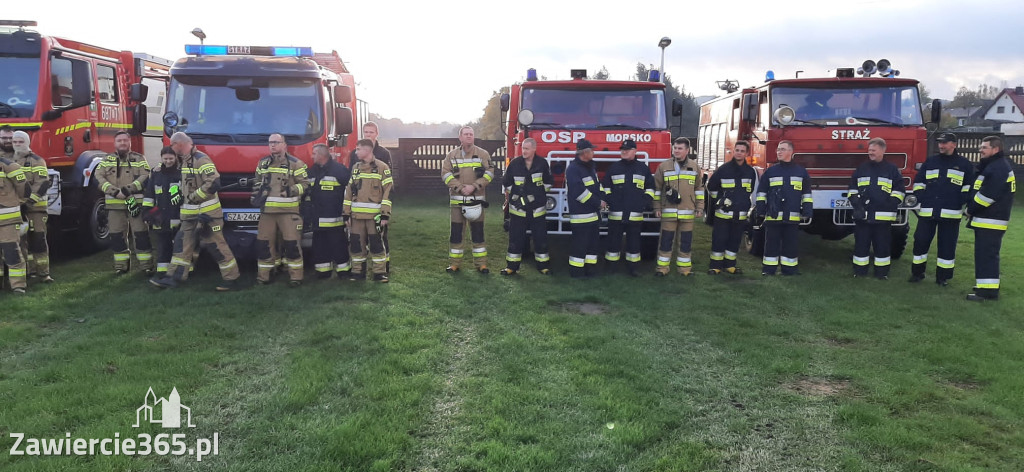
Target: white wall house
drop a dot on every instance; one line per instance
(1007, 107)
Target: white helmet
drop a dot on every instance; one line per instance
(23, 228)
(473, 212)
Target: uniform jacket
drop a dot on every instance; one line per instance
(629, 187)
(527, 188)
(12, 191)
(583, 190)
(369, 191)
(877, 187)
(732, 183)
(992, 193)
(282, 181)
(380, 153)
(200, 182)
(467, 168)
(38, 182)
(117, 172)
(684, 178)
(327, 194)
(784, 193)
(158, 195)
(942, 186)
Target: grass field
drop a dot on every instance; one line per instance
(435, 372)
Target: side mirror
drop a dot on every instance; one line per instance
(139, 122)
(139, 92)
(504, 101)
(82, 92)
(677, 107)
(342, 94)
(936, 111)
(343, 121)
(749, 111)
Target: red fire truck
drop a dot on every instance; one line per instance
(558, 113)
(830, 121)
(230, 99)
(71, 98)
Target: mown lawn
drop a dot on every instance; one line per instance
(470, 372)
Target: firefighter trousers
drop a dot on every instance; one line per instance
(781, 247)
(330, 251)
(10, 253)
(164, 247)
(34, 248)
(363, 234)
(726, 235)
(275, 228)
(476, 234)
(517, 241)
(119, 223)
(868, 236)
(987, 243)
(613, 251)
(211, 239)
(584, 244)
(948, 230)
(676, 236)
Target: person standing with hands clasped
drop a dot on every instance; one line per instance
(730, 187)
(876, 191)
(989, 213)
(783, 200)
(526, 183)
(367, 208)
(629, 187)
(678, 199)
(584, 192)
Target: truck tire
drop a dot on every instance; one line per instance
(899, 240)
(753, 241)
(93, 230)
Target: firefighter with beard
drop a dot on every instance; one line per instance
(730, 187)
(122, 176)
(327, 199)
(13, 183)
(33, 244)
(281, 180)
(162, 205)
(678, 199)
(629, 187)
(526, 181)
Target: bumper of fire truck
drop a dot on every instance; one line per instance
(836, 203)
(558, 216)
(240, 227)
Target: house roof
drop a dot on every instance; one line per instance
(1012, 93)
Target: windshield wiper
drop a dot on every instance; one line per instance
(223, 137)
(618, 125)
(876, 120)
(820, 125)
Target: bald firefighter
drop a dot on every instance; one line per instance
(281, 181)
(466, 171)
(367, 207)
(122, 177)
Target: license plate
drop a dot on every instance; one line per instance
(242, 217)
(841, 203)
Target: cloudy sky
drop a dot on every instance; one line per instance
(440, 60)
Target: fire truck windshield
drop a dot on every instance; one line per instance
(247, 111)
(581, 109)
(19, 85)
(844, 106)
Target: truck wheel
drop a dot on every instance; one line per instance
(753, 241)
(93, 229)
(899, 240)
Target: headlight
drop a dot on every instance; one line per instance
(549, 204)
(784, 115)
(910, 201)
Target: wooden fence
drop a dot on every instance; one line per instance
(417, 162)
(967, 145)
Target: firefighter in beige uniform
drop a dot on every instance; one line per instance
(281, 180)
(466, 171)
(202, 219)
(367, 208)
(678, 199)
(122, 177)
(12, 187)
(33, 244)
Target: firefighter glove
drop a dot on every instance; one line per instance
(133, 206)
(176, 197)
(860, 214)
(151, 215)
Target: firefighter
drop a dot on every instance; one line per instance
(629, 190)
(367, 210)
(783, 199)
(280, 181)
(327, 197)
(584, 193)
(988, 214)
(876, 191)
(33, 244)
(202, 219)
(162, 204)
(678, 199)
(466, 171)
(122, 177)
(526, 182)
(942, 186)
(13, 184)
(381, 153)
(731, 187)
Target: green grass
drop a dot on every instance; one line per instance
(467, 372)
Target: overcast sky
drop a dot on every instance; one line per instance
(440, 60)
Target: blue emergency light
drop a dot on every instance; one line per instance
(769, 76)
(654, 75)
(531, 75)
(279, 51)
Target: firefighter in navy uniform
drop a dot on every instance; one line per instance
(730, 187)
(122, 177)
(678, 199)
(876, 191)
(327, 197)
(942, 186)
(280, 181)
(783, 199)
(989, 215)
(367, 208)
(33, 244)
(526, 182)
(629, 187)
(12, 187)
(584, 192)
(162, 204)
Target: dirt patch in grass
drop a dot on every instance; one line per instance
(585, 308)
(817, 387)
(965, 385)
(838, 342)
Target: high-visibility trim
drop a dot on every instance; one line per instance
(664, 261)
(613, 256)
(144, 256)
(920, 259)
(789, 261)
(180, 262)
(344, 267)
(542, 257)
(479, 252)
(584, 196)
(954, 214)
(121, 256)
(717, 256)
(882, 261)
(447, 177)
(113, 201)
(945, 263)
(918, 187)
(592, 259)
(10, 213)
(885, 215)
(583, 218)
(632, 257)
(334, 222)
(516, 212)
(730, 256)
(17, 273)
(925, 212)
(989, 223)
(684, 262)
(322, 267)
(205, 207)
(861, 261)
(618, 179)
(983, 200)
(576, 261)
(987, 283)
(513, 257)
(770, 261)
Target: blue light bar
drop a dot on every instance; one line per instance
(654, 75)
(212, 50)
(292, 52)
(205, 50)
